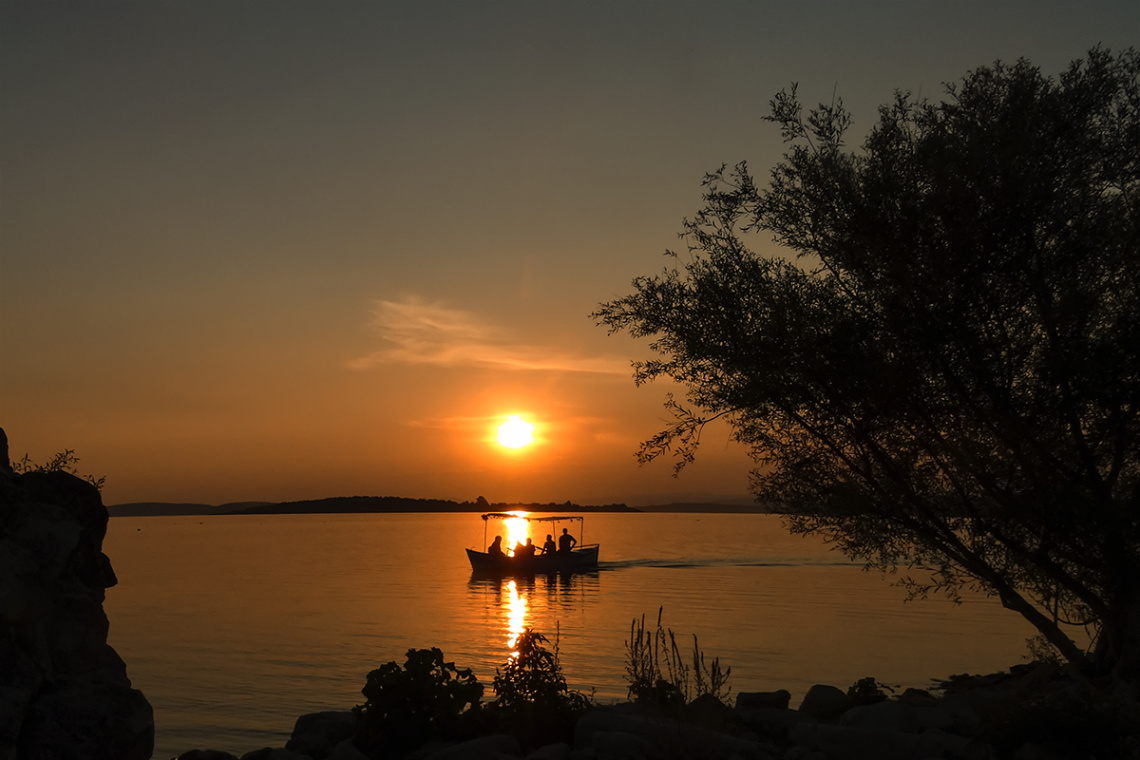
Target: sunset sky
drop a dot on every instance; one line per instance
(286, 250)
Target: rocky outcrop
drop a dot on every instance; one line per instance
(1032, 712)
(64, 692)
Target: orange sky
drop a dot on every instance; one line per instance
(254, 252)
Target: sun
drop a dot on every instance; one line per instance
(516, 433)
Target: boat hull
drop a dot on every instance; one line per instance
(579, 560)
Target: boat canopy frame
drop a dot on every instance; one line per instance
(544, 518)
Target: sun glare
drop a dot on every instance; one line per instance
(517, 530)
(516, 433)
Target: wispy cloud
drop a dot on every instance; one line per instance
(418, 332)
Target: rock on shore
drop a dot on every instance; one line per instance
(1031, 712)
(64, 692)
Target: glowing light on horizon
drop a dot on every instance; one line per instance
(516, 433)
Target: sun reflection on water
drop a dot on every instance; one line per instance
(516, 616)
(509, 606)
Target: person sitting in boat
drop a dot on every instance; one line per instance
(525, 551)
(566, 542)
(496, 547)
(549, 547)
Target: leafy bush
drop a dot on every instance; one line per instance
(425, 698)
(677, 683)
(533, 701)
(428, 698)
(867, 691)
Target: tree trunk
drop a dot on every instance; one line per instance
(1048, 628)
(1117, 653)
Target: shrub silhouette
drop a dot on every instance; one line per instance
(425, 698)
(867, 691)
(63, 461)
(533, 701)
(428, 698)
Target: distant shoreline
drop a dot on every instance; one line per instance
(398, 504)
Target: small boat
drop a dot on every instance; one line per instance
(581, 558)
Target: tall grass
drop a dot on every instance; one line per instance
(657, 672)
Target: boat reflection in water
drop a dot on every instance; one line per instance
(540, 602)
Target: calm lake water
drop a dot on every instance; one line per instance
(235, 626)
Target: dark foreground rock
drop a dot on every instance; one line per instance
(1028, 713)
(64, 693)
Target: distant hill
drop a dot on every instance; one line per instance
(158, 508)
(353, 504)
(347, 505)
(733, 507)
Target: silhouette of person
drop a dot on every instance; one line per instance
(566, 542)
(496, 548)
(549, 547)
(525, 551)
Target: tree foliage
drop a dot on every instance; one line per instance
(945, 373)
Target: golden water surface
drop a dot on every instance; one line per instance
(234, 626)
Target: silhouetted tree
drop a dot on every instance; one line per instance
(946, 374)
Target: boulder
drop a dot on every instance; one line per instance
(709, 712)
(346, 750)
(64, 693)
(726, 747)
(314, 735)
(847, 743)
(917, 697)
(824, 702)
(1035, 751)
(484, 748)
(604, 730)
(600, 720)
(560, 751)
(801, 753)
(771, 723)
(618, 745)
(888, 716)
(759, 700)
(269, 753)
(206, 754)
(88, 719)
(962, 713)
